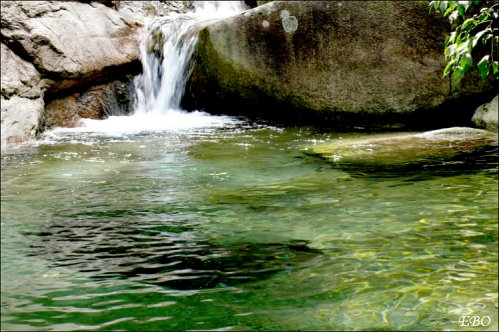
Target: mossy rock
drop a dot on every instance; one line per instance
(341, 63)
(385, 150)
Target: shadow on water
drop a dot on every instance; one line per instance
(169, 255)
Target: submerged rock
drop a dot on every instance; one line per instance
(391, 150)
(167, 255)
(335, 62)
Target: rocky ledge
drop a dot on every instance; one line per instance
(399, 150)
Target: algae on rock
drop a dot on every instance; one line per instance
(386, 150)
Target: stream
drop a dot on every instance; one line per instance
(168, 220)
(230, 226)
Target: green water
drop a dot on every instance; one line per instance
(236, 229)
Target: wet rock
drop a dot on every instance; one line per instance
(97, 102)
(393, 150)
(51, 46)
(486, 116)
(333, 62)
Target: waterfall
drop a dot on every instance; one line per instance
(165, 55)
(166, 51)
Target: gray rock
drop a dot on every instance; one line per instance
(69, 41)
(486, 116)
(57, 49)
(141, 9)
(21, 99)
(384, 150)
(18, 77)
(362, 61)
(20, 118)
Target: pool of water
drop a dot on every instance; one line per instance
(234, 228)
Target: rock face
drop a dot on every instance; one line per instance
(68, 42)
(22, 98)
(362, 62)
(394, 150)
(55, 50)
(99, 101)
(487, 115)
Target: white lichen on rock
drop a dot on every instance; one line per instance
(289, 23)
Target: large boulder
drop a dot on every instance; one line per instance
(69, 42)
(364, 62)
(487, 115)
(49, 47)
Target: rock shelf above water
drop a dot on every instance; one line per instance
(404, 149)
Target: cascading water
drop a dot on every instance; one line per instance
(166, 52)
(165, 55)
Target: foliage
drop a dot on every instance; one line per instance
(475, 39)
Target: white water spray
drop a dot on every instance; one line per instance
(166, 53)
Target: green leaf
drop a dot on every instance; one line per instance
(495, 67)
(443, 6)
(449, 67)
(478, 36)
(448, 11)
(483, 67)
(461, 11)
(453, 16)
(469, 24)
(459, 34)
(466, 62)
(457, 74)
(486, 38)
(470, 44)
(436, 4)
(463, 47)
(451, 38)
(450, 51)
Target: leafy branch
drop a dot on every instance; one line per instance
(475, 38)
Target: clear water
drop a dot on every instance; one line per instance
(227, 225)
(168, 220)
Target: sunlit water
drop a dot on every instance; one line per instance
(227, 225)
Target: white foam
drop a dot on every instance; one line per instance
(173, 120)
(165, 72)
